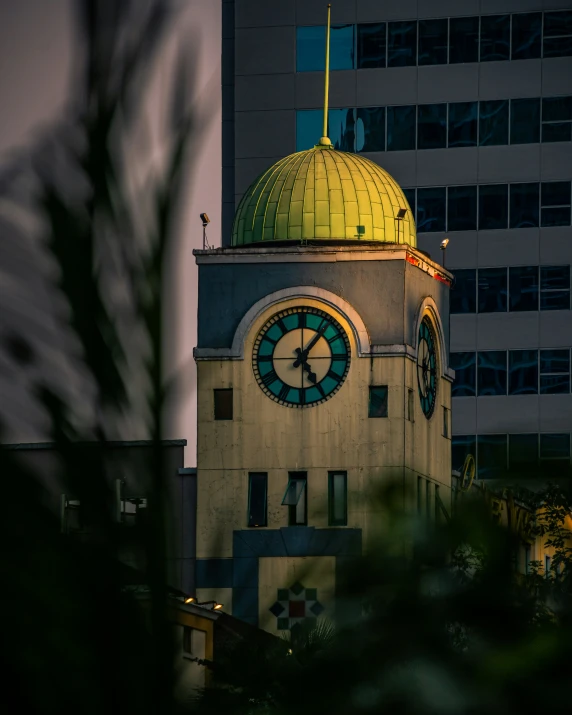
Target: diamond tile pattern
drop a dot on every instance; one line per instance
(295, 606)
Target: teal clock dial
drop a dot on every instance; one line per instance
(426, 368)
(301, 357)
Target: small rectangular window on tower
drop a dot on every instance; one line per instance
(378, 399)
(223, 404)
(257, 498)
(446, 422)
(337, 498)
(410, 405)
(295, 499)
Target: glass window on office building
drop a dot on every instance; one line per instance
(464, 291)
(495, 38)
(491, 373)
(341, 128)
(401, 128)
(493, 206)
(523, 453)
(491, 455)
(557, 36)
(493, 122)
(432, 42)
(492, 285)
(555, 372)
(370, 129)
(463, 40)
(555, 203)
(461, 446)
(526, 35)
(311, 48)
(525, 121)
(465, 366)
(402, 44)
(555, 288)
(431, 204)
(524, 201)
(371, 45)
(462, 208)
(462, 124)
(523, 288)
(523, 372)
(411, 200)
(555, 448)
(556, 119)
(308, 128)
(432, 126)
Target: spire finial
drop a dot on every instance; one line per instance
(324, 140)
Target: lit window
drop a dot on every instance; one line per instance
(432, 42)
(491, 455)
(555, 203)
(524, 205)
(223, 404)
(371, 45)
(432, 126)
(526, 32)
(493, 122)
(495, 38)
(370, 129)
(492, 290)
(257, 498)
(554, 372)
(462, 208)
(493, 206)
(557, 119)
(557, 34)
(524, 121)
(337, 499)
(523, 288)
(463, 39)
(401, 128)
(555, 288)
(402, 44)
(431, 204)
(491, 373)
(378, 399)
(311, 48)
(465, 367)
(523, 372)
(463, 295)
(462, 124)
(295, 499)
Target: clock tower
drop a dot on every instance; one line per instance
(322, 374)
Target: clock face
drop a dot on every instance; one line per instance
(426, 368)
(301, 357)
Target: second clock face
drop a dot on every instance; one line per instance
(426, 368)
(301, 357)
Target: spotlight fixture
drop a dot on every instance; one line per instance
(401, 214)
(190, 599)
(205, 219)
(444, 244)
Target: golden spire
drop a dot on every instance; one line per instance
(324, 140)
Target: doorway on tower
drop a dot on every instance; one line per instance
(295, 499)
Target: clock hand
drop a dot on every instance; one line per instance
(315, 339)
(311, 375)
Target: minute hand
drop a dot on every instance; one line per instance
(315, 339)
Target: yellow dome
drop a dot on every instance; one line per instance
(323, 194)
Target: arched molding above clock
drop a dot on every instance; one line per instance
(429, 308)
(327, 297)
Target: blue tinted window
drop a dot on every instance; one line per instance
(493, 206)
(555, 446)
(495, 37)
(526, 31)
(401, 128)
(341, 128)
(461, 446)
(308, 128)
(311, 48)
(410, 196)
(370, 129)
(465, 367)
(557, 119)
(493, 122)
(523, 286)
(463, 124)
(554, 287)
(491, 455)
(523, 372)
(431, 209)
(524, 200)
(555, 203)
(492, 290)
(463, 295)
(462, 208)
(463, 39)
(525, 121)
(432, 126)
(491, 372)
(432, 42)
(557, 34)
(402, 44)
(522, 452)
(371, 45)
(554, 372)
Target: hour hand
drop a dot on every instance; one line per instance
(302, 357)
(311, 375)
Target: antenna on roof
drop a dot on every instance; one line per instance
(324, 140)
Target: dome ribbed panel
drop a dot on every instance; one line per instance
(323, 194)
